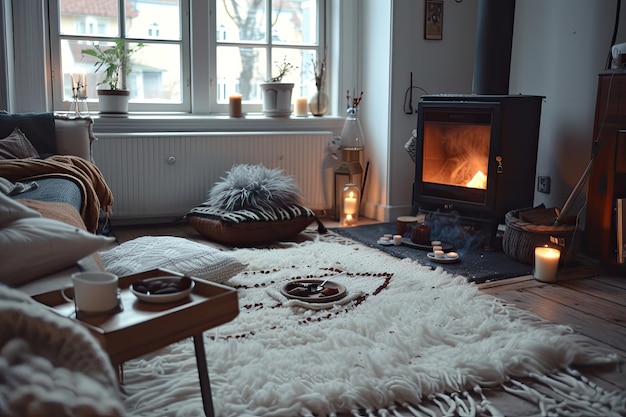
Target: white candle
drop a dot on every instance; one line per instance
(234, 105)
(546, 263)
(302, 106)
(349, 205)
(397, 240)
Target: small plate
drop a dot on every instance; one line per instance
(316, 297)
(445, 260)
(447, 247)
(385, 242)
(163, 298)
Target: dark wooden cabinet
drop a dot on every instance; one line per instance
(607, 180)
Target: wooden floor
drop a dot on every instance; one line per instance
(590, 300)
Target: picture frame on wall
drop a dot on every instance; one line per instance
(433, 20)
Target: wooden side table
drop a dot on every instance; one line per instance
(141, 327)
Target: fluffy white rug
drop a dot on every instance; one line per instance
(414, 336)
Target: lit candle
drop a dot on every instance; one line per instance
(302, 106)
(546, 263)
(349, 205)
(234, 105)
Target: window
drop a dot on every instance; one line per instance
(156, 80)
(235, 44)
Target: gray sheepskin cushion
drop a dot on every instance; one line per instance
(252, 205)
(254, 187)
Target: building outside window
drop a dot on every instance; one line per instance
(241, 44)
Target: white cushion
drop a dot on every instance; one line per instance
(34, 247)
(173, 253)
(74, 136)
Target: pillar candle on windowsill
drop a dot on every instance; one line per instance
(546, 263)
(302, 106)
(234, 105)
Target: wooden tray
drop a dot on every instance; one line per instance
(142, 327)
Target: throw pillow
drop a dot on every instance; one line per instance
(173, 253)
(254, 187)
(16, 146)
(31, 248)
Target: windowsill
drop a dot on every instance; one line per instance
(174, 122)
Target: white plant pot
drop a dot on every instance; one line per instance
(277, 99)
(113, 101)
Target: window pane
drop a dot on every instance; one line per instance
(302, 75)
(156, 76)
(96, 18)
(240, 21)
(155, 20)
(76, 67)
(294, 22)
(240, 70)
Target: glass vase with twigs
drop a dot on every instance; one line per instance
(318, 103)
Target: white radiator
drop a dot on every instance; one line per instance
(164, 175)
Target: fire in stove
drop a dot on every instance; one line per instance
(479, 180)
(456, 155)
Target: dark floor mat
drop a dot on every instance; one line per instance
(476, 264)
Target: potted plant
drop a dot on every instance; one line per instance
(277, 94)
(116, 63)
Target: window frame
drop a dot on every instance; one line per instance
(54, 43)
(29, 74)
(199, 75)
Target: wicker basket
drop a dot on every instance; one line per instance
(521, 238)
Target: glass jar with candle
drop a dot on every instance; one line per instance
(350, 205)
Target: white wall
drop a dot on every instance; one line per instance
(374, 113)
(559, 47)
(393, 35)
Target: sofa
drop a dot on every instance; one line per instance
(54, 202)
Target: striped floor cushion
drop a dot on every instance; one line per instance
(251, 227)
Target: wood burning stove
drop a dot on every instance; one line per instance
(476, 157)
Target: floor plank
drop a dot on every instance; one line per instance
(604, 289)
(598, 306)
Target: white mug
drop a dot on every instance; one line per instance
(94, 291)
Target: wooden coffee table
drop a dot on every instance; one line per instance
(141, 327)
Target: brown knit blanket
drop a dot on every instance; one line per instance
(95, 191)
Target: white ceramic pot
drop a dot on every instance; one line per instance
(113, 101)
(277, 99)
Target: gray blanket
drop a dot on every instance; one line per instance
(50, 365)
(14, 188)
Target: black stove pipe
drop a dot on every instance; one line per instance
(494, 40)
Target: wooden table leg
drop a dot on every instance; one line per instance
(203, 375)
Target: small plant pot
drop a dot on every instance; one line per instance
(277, 99)
(113, 101)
